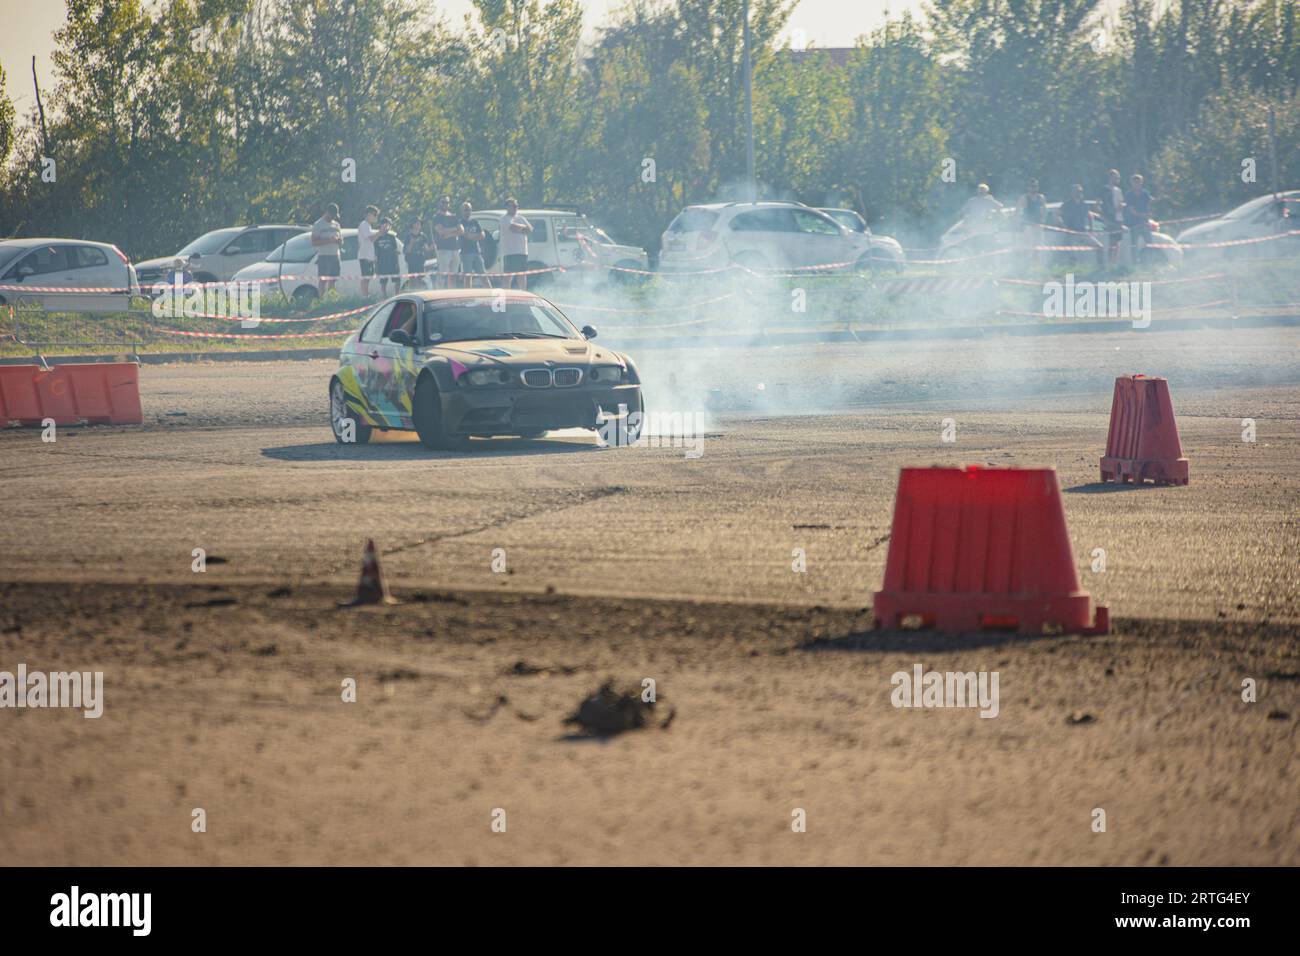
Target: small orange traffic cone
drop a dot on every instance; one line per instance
(371, 587)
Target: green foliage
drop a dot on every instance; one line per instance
(172, 118)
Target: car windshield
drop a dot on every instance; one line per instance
(465, 320)
(1249, 209)
(846, 218)
(210, 242)
(9, 253)
(297, 249)
(694, 220)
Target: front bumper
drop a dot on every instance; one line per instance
(485, 412)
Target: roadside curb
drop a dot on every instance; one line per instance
(758, 338)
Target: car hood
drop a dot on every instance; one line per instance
(524, 353)
(162, 262)
(1202, 231)
(264, 270)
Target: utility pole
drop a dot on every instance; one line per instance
(749, 115)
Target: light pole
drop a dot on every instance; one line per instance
(749, 115)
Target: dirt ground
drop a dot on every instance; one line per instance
(223, 689)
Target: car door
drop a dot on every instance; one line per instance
(45, 267)
(818, 241)
(95, 268)
(396, 368)
(246, 248)
(368, 362)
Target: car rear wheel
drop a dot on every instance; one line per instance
(429, 422)
(304, 297)
(343, 420)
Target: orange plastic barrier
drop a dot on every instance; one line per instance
(975, 549)
(1143, 444)
(107, 393)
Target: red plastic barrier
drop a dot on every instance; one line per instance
(100, 392)
(1143, 444)
(975, 549)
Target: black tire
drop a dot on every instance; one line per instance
(632, 436)
(534, 433)
(304, 296)
(340, 412)
(427, 409)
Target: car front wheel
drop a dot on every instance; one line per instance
(347, 428)
(429, 422)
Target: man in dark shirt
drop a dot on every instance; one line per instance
(1033, 213)
(417, 250)
(1137, 213)
(446, 237)
(386, 256)
(1075, 215)
(471, 247)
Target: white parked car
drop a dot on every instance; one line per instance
(566, 238)
(886, 252)
(1259, 218)
(67, 263)
(293, 264)
(216, 256)
(760, 235)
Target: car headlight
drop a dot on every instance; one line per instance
(607, 374)
(488, 376)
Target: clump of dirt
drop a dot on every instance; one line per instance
(609, 711)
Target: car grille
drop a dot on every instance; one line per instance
(545, 377)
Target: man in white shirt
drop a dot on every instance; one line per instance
(366, 247)
(514, 230)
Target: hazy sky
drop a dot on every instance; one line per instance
(29, 26)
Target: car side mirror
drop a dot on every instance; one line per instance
(233, 251)
(400, 337)
(588, 331)
(26, 272)
(194, 255)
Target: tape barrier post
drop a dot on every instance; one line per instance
(976, 549)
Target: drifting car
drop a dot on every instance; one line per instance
(451, 364)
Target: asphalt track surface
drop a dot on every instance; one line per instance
(642, 561)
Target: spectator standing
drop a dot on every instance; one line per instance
(1112, 213)
(980, 210)
(327, 238)
(386, 257)
(1033, 214)
(471, 247)
(417, 250)
(180, 274)
(514, 246)
(1137, 213)
(446, 237)
(366, 247)
(1075, 216)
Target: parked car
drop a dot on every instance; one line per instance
(565, 238)
(294, 265)
(1256, 219)
(454, 363)
(67, 263)
(1001, 228)
(886, 252)
(216, 256)
(760, 235)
